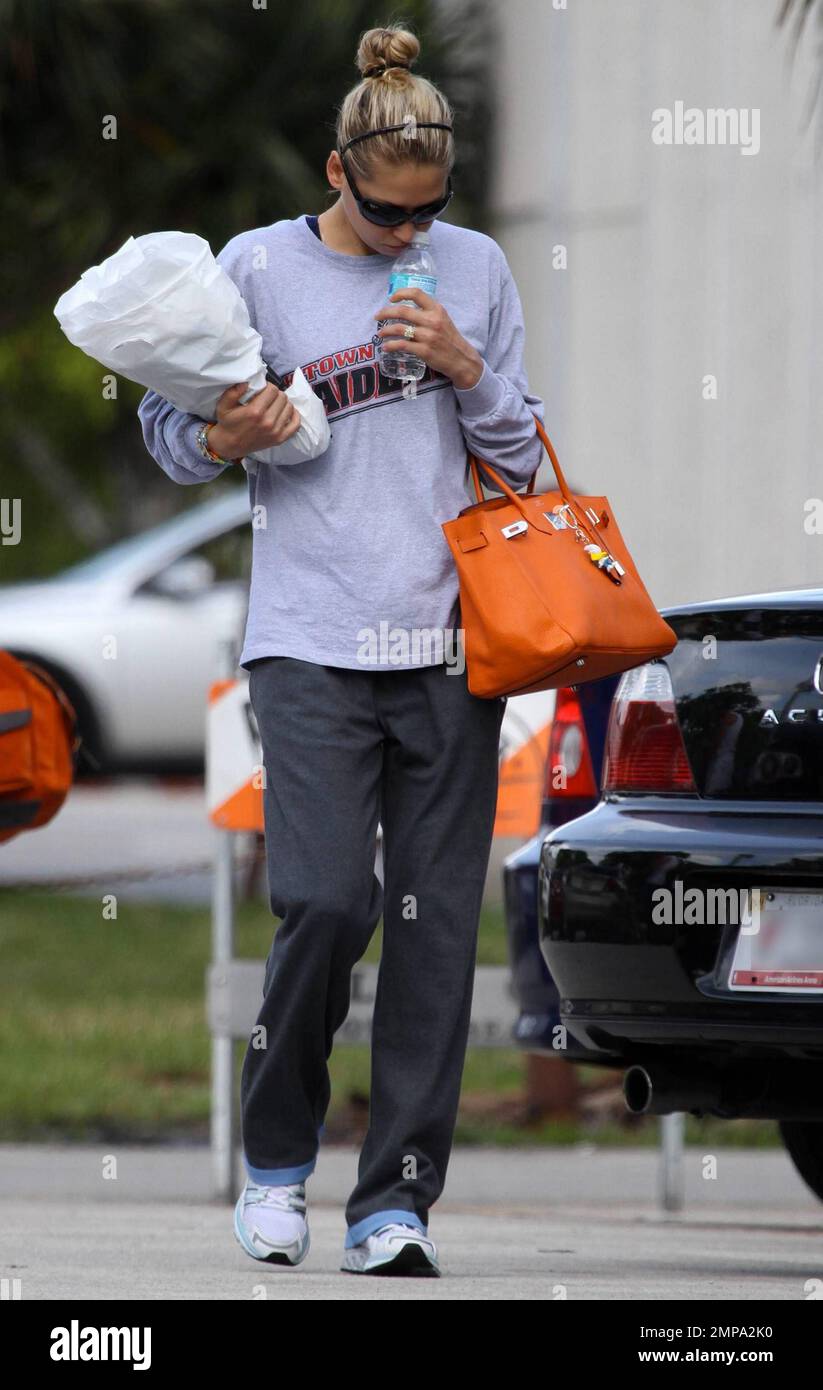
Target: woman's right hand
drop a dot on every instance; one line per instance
(268, 418)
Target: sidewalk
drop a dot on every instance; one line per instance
(512, 1224)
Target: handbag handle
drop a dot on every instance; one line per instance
(558, 472)
(581, 526)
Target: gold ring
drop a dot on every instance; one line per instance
(408, 331)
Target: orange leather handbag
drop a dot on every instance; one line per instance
(39, 743)
(549, 594)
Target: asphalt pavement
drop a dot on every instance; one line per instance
(577, 1223)
(148, 839)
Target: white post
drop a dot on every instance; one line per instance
(671, 1162)
(224, 1135)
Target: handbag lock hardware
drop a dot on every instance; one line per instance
(514, 528)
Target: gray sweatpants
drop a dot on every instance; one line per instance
(342, 749)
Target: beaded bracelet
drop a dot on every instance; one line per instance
(203, 444)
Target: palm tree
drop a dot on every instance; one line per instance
(794, 15)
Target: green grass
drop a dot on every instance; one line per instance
(103, 1035)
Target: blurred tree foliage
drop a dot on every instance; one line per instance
(225, 118)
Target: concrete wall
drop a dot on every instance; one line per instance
(683, 261)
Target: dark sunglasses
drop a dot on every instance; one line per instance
(389, 214)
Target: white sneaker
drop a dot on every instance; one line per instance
(393, 1249)
(270, 1222)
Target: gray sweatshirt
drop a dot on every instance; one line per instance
(350, 566)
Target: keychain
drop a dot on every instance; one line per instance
(604, 561)
(596, 554)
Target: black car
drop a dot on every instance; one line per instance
(680, 906)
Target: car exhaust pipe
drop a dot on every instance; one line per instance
(753, 1090)
(656, 1090)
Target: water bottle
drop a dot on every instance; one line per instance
(414, 266)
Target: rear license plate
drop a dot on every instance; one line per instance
(786, 952)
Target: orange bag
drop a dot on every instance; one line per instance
(537, 609)
(38, 746)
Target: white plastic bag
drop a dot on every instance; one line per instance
(162, 312)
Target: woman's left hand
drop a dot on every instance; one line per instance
(436, 341)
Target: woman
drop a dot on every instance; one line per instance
(359, 692)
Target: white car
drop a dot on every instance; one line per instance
(133, 634)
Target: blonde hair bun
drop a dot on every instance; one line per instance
(387, 94)
(380, 50)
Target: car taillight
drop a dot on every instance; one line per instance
(569, 765)
(645, 751)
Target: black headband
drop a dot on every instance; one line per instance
(440, 125)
